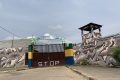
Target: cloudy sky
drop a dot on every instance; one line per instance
(58, 17)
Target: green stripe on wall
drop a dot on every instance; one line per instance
(30, 48)
(69, 46)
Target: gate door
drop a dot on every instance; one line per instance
(48, 55)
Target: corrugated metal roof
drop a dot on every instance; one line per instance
(49, 41)
(48, 48)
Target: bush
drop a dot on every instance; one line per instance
(116, 53)
(84, 62)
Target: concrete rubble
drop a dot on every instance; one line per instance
(100, 53)
(12, 57)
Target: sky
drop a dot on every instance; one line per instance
(58, 17)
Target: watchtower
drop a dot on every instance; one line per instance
(90, 33)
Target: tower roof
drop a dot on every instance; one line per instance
(89, 26)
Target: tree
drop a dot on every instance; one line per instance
(116, 53)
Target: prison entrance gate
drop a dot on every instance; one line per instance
(46, 55)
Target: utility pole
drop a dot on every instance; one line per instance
(12, 45)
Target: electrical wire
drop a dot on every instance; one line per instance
(8, 31)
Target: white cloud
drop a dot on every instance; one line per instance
(55, 27)
(48, 36)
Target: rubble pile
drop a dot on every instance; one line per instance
(101, 53)
(12, 57)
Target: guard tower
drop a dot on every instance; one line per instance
(90, 34)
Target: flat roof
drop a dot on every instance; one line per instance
(89, 26)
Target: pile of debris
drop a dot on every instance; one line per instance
(12, 57)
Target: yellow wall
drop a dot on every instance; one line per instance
(69, 52)
(30, 55)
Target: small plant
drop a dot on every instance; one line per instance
(116, 53)
(84, 62)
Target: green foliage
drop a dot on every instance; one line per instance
(84, 62)
(116, 53)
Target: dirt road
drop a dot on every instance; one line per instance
(49, 73)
